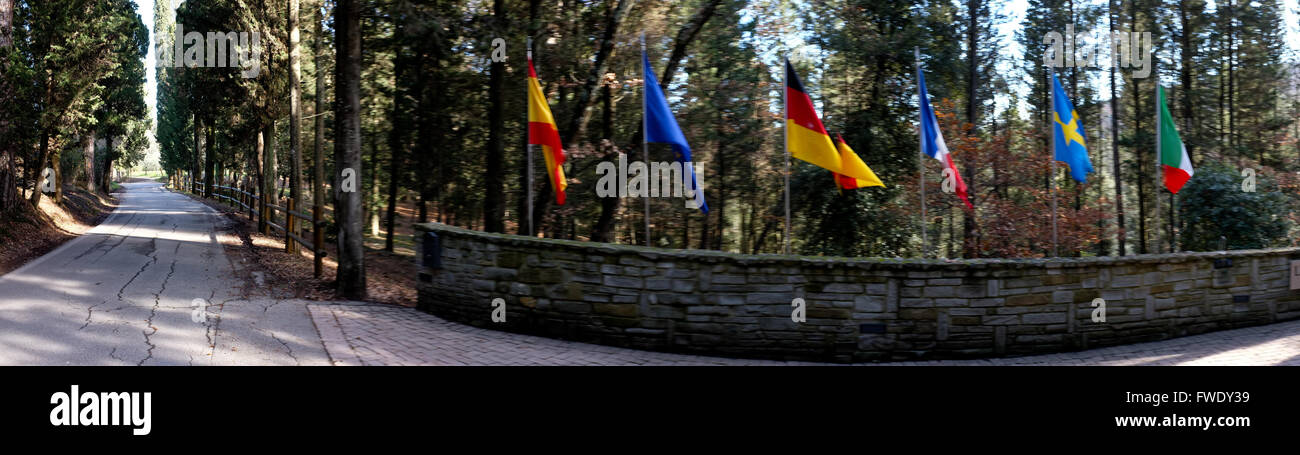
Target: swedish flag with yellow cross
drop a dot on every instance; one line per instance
(1069, 140)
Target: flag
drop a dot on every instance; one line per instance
(806, 138)
(661, 128)
(851, 160)
(932, 139)
(542, 131)
(1174, 161)
(1068, 138)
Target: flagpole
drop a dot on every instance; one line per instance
(529, 147)
(920, 161)
(1160, 170)
(785, 145)
(1051, 138)
(645, 133)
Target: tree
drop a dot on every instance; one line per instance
(295, 120)
(604, 226)
(73, 42)
(174, 140)
(318, 144)
(8, 155)
(980, 58)
(495, 204)
(399, 136)
(351, 277)
(123, 100)
(579, 115)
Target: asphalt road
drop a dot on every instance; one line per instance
(125, 294)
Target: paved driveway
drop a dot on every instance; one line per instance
(124, 294)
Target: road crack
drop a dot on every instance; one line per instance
(90, 312)
(157, 297)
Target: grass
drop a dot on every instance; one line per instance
(154, 174)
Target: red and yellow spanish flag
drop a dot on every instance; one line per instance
(852, 163)
(542, 131)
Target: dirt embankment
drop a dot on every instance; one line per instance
(29, 234)
(389, 276)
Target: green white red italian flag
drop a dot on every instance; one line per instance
(1175, 163)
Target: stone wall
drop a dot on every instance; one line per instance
(857, 309)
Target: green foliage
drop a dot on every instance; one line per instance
(1213, 204)
(75, 68)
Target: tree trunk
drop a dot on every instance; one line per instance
(494, 204)
(198, 151)
(1121, 239)
(261, 177)
(351, 278)
(6, 23)
(56, 159)
(427, 135)
(970, 245)
(8, 171)
(720, 195)
(88, 154)
(685, 35)
(372, 205)
(398, 136)
(1232, 78)
(608, 205)
(38, 169)
(1187, 53)
(579, 115)
(318, 159)
(295, 121)
(255, 181)
(604, 226)
(105, 180)
(269, 174)
(209, 161)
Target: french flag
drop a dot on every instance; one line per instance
(932, 140)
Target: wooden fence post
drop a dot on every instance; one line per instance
(318, 237)
(289, 221)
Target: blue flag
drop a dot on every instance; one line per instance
(661, 128)
(1068, 137)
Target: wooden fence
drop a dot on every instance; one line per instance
(258, 209)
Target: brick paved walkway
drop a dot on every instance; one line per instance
(368, 334)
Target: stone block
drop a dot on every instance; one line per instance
(1062, 296)
(869, 304)
(849, 288)
(768, 298)
(617, 309)
(624, 282)
(939, 291)
(1029, 299)
(1043, 318)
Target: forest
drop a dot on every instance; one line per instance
(426, 104)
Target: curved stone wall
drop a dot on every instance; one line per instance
(859, 309)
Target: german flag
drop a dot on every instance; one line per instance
(852, 163)
(805, 137)
(542, 131)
